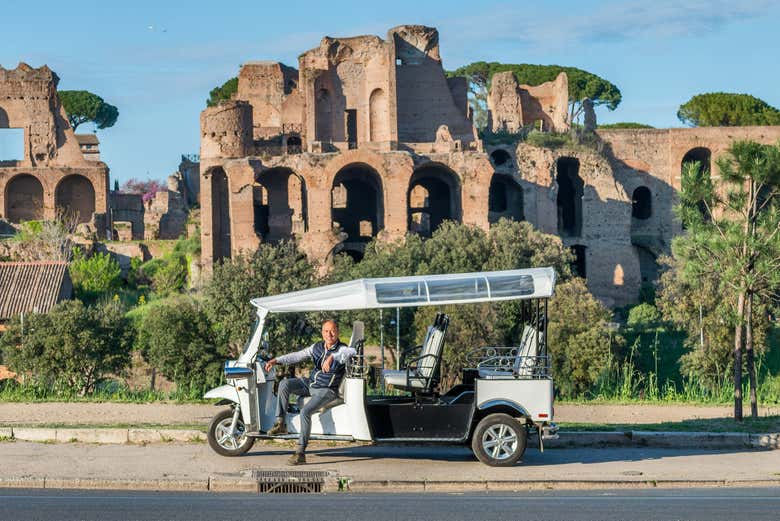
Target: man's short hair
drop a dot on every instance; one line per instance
(331, 320)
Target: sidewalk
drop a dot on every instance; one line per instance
(176, 466)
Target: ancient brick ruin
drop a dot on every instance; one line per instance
(50, 172)
(368, 138)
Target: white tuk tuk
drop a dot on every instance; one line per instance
(507, 393)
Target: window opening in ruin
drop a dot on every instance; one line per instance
(578, 266)
(11, 144)
(220, 214)
(703, 156)
(358, 203)
(505, 199)
(355, 254)
(279, 200)
(75, 193)
(441, 203)
(350, 116)
(379, 125)
(24, 199)
(648, 265)
(293, 145)
(500, 157)
(641, 203)
(323, 117)
(569, 201)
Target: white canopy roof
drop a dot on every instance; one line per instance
(422, 290)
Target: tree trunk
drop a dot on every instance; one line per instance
(751, 366)
(738, 357)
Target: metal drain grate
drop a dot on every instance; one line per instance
(289, 481)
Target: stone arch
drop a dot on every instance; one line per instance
(500, 157)
(569, 199)
(641, 203)
(23, 199)
(279, 201)
(357, 204)
(323, 109)
(701, 154)
(579, 265)
(442, 198)
(505, 199)
(220, 214)
(378, 112)
(4, 121)
(75, 193)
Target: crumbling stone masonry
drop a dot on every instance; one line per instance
(51, 172)
(368, 138)
(512, 106)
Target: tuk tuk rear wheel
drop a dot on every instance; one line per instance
(221, 441)
(499, 440)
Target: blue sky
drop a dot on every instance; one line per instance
(157, 61)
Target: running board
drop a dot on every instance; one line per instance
(294, 436)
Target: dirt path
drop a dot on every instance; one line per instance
(175, 414)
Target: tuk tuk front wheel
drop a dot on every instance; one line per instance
(219, 435)
(499, 440)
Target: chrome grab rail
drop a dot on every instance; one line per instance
(506, 361)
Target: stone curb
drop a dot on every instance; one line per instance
(102, 436)
(705, 440)
(242, 484)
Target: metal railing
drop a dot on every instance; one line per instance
(498, 362)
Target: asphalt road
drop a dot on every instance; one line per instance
(711, 504)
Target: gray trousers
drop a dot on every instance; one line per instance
(300, 387)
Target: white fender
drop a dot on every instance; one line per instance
(228, 392)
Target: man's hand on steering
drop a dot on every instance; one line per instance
(327, 363)
(269, 364)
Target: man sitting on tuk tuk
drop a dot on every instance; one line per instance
(330, 357)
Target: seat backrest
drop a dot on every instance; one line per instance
(432, 349)
(357, 334)
(525, 361)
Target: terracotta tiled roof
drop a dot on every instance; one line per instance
(32, 287)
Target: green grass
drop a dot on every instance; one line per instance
(109, 392)
(748, 425)
(155, 426)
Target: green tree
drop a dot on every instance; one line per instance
(175, 336)
(271, 270)
(737, 239)
(582, 84)
(223, 92)
(579, 338)
(74, 345)
(95, 275)
(725, 109)
(83, 106)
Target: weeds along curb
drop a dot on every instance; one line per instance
(681, 440)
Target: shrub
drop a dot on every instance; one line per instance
(73, 346)
(175, 336)
(170, 277)
(95, 275)
(273, 269)
(579, 339)
(547, 139)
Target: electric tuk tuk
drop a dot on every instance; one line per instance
(504, 396)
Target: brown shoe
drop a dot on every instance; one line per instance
(297, 458)
(279, 428)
